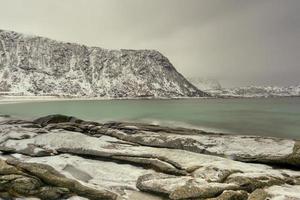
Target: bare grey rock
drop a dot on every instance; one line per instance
(36, 180)
(258, 194)
(132, 160)
(182, 187)
(59, 185)
(238, 147)
(232, 195)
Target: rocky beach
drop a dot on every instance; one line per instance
(149, 100)
(63, 157)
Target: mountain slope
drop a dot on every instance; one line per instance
(214, 88)
(32, 65)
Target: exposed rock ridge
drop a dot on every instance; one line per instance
(31, 65)
(140, 161)
(237, 147)
(32, 179)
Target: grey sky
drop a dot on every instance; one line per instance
(239, 42)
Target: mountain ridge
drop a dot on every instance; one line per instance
(258, 91)
(34, 65)
(214, 88)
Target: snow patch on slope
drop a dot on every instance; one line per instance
(31, 65)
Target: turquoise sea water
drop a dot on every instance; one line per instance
(269, 117)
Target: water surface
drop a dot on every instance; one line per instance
(269, 117)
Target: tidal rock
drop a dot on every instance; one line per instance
(54, 119)
(238, 147)
(63, 156)
(42, 181)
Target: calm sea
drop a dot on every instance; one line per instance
(268, 117)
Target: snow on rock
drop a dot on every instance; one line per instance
(182, 187)
(77, 143)
(31, 65)
(237, 147)
(101, 157)
(110, 175)
(284, 192)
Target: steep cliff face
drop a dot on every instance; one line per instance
(33, 65)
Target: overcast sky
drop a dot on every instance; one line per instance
(239, 42)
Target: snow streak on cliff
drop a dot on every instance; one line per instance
(32, 65)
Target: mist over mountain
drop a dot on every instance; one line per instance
(31, 65)
(205, 84)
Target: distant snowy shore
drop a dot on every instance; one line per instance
(257, 92)
(214, 88)
(215, 95)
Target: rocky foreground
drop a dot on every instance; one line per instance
(61, 157)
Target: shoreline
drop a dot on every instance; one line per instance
(232, 128)
(22, 99)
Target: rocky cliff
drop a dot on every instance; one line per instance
(31, 65)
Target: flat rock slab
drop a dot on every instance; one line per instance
(238, 147)
(19, 179)
(267, 150)
(132, 161)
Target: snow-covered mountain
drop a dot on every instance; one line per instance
(214, 88)
(31, 65)
(258, 91)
